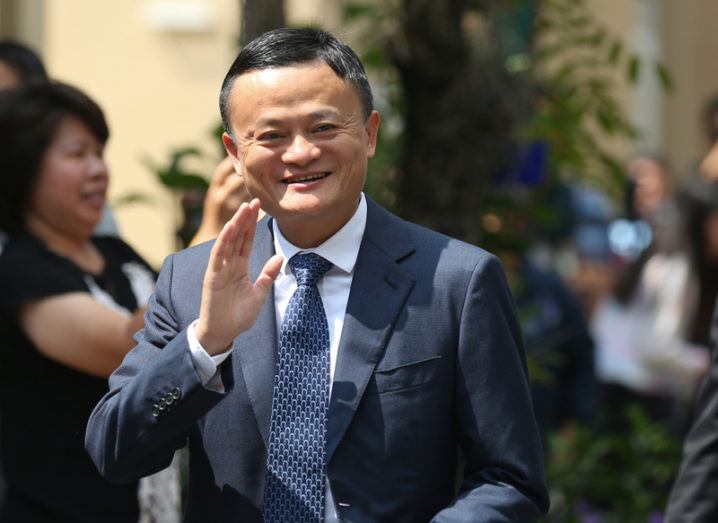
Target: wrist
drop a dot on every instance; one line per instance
(209, 343)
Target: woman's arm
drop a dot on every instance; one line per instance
(75, 330)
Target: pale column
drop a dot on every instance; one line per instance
(648, 98)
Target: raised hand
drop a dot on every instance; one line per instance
(230, 301)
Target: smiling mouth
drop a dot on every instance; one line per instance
(94, 198)
(304, 179)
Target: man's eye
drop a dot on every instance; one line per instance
(270, 136)
(324, 127)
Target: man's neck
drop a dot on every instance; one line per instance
(305, 232)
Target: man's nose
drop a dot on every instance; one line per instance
(301, 151)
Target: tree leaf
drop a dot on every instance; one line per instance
(665, 76)
(132, 197)
(615, 51)
(355, 10)
(183, 181)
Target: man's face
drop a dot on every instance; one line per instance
(302, 146)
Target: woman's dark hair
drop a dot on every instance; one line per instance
(291, 46)
(23, 60)
(29, 118)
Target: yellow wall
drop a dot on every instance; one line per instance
(159, 90)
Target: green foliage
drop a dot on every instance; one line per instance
(577, 63)
(187, 186)
(377, 22)
(175, 176)
(612, 477)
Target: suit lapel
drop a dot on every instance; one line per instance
(378, 292)
(255, 350)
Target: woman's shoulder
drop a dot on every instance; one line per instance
(117, 251)
(115, 246)
(23, 253)
(29, 271)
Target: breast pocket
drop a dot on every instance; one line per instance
(404, 376)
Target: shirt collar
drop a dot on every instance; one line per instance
(341, 249)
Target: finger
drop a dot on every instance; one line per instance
(246, 247)
(223, 170)
(231, 236)
(233, 184)
(219, 249)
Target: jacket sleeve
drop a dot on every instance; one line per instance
(503, 478)
(155, 398)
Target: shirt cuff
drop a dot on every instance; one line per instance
(207, 366)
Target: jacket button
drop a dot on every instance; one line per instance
(176, 393)
(155, 412)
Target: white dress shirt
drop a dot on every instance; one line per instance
(342, 250)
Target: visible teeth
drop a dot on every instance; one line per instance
(307, 178)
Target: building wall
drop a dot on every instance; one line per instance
(692, 41)
(159, 91)
(159, 88)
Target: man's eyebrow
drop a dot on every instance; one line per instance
(269, 122)
(324, 113)
(314, 115)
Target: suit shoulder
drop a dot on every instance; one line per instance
(189, 260)
(397, 233)
(429, 237)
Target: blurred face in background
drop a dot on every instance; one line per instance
(72, 184)
(652, 188)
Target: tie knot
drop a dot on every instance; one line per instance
(308, 268)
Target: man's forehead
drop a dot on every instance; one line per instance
(313, 86)
(282, 70)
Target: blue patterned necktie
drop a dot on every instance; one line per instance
(294, 491)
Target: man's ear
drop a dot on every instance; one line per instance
(372, 131)
(231, 147)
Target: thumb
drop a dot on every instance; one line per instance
(269, 273)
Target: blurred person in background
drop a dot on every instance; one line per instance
(20, 65)
(699, 200)
(693, 496)
(700, 209)
(558, 345)
(225, 194)
(70, 304)
(644, 353)
(708, 166)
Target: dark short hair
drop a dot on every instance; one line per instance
(23, 60)
(29, 119)
(291, 46)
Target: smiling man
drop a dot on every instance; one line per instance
(331, 362)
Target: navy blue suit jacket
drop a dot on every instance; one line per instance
(429, 419)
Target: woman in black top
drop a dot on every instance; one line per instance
(69, 304)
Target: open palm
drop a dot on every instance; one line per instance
(230, 300)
